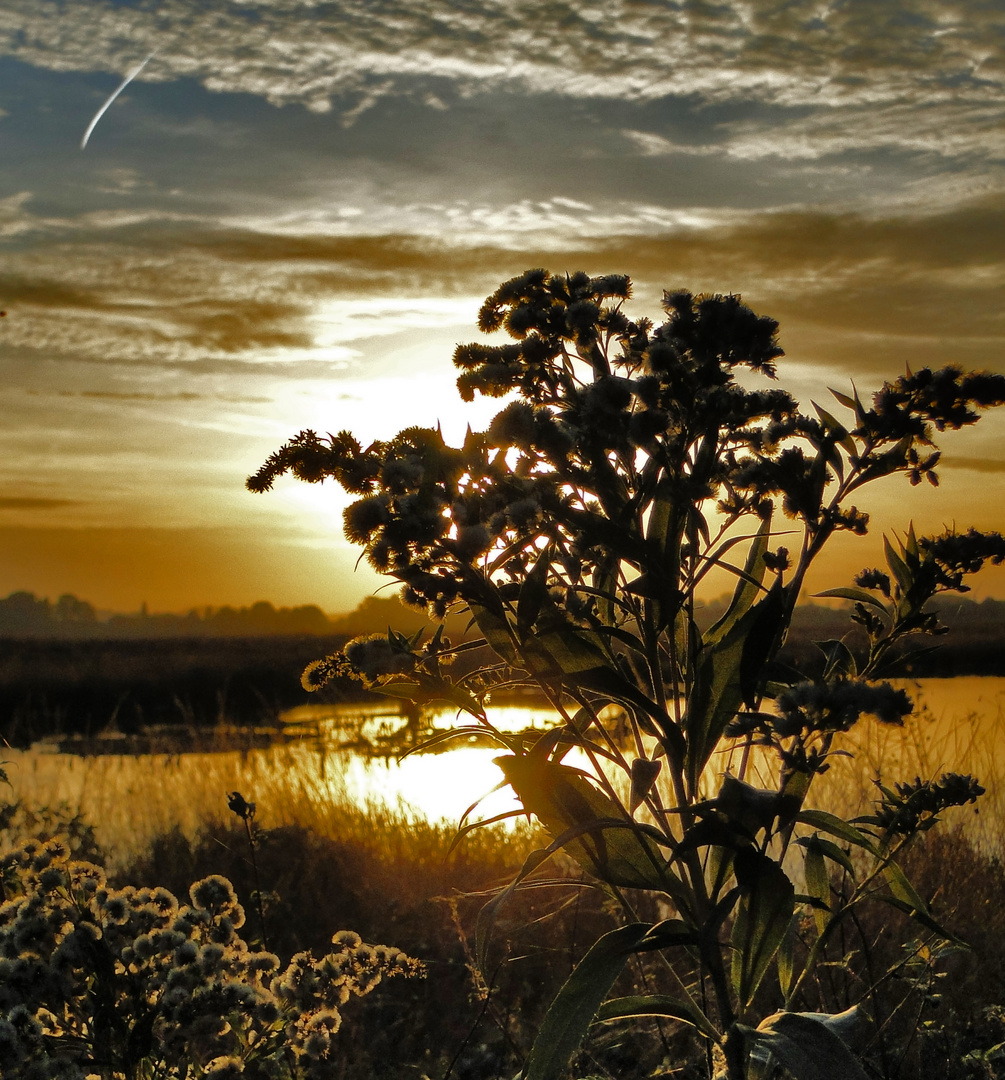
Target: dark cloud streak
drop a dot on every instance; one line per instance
(930, 286)
(30, 502)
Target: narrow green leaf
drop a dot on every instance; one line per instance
(836, 428)
(408, 690)
(570, 1014)
(828, 823)
(859, 595)
(900, 570)
(613, 684)
(911, 544)
(829, 850)
(487, 915)
(747, 587)
(840, 659)
(786, 961)
(606, 588)
(496, 630)
(728, 669)
(817, 881)
(533, 593)
(573, 649)
(911, 903)
(687, 1012)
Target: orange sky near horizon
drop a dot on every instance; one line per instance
(288, 220)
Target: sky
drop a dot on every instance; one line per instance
(292, 214)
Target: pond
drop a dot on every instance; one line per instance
(131, 797)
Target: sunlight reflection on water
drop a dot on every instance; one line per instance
(132, 798)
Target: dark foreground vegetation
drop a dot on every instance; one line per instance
(940, 1007)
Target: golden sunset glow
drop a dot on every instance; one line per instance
(289, 218)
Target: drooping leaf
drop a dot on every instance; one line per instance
(644, 773)
(806, 1045)
(569, 1016)
(828, 850)
(668, 933)
(675, 1008)
(767, 903)
(609, 843)
(746, 807)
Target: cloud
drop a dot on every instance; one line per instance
(920, 76)
(158, 399)
(27, 502)
(122, 182)
(857, 293)
(648, 144)
(974, 464)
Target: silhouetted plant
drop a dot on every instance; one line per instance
(576, 530)
(246, 812)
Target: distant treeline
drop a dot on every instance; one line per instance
(25, 615)
(62, 669)
(974, 646)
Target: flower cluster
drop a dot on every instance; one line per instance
(837, 706)
(915, 806)
(99, 980)
(948, 398)
(600, 395)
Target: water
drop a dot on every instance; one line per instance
(131, 797)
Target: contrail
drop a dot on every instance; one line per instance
(101, 112)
